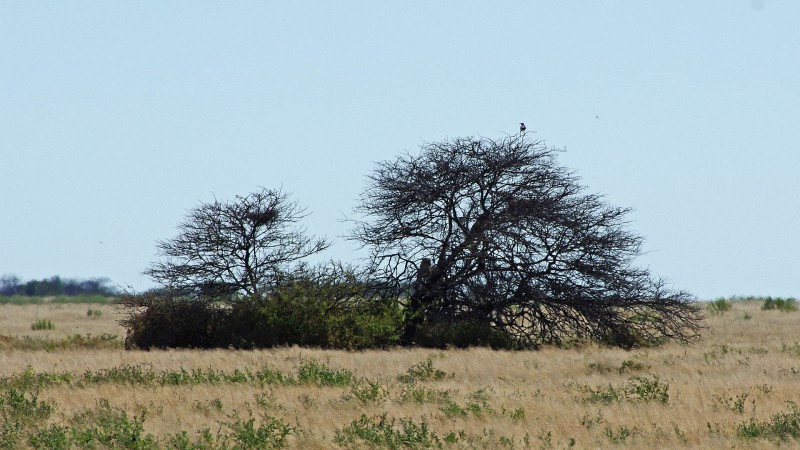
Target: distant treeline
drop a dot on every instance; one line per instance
(57, 286)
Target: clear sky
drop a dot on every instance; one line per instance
(116, 117)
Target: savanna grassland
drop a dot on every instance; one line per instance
(72, 385)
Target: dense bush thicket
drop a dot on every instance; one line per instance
(290, 317)
(322, 311)
(12, 285)
(302, 313)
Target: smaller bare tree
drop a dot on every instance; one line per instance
(242, 247)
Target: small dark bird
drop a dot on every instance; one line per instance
(522, 127)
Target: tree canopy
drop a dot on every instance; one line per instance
(237, 247)
(496, 233)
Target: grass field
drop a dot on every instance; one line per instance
(739, 387)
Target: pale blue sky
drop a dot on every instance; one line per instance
(116, 117)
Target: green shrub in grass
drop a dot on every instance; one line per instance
(43, 324)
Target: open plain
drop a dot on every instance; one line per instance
(738, 387)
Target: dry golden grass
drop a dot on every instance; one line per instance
(746, 366)
(69, 319)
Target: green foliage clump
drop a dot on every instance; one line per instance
(17, 404)
(369, 391)
(29, 379)
(307, 314)
(87, 341)
(43, 324)
(781, 425)
(19, 411)
(317, 373)
(381, 432)
(422, 371)
(621, 434)
(603, 394)
(735, 404)
(517, 414)
(719, 306)
(298, 313)
(477, 404)
(631, 366)
(23, 418)
(270, 433)
(109, 427)
(647, 389)
(142, 375)
(636, 389)
(412, 392)
(781, 304)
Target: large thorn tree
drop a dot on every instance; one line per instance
(239, 247)
(495, 232)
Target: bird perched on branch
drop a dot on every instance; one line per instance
(522, 127)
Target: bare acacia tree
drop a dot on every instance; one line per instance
(496, 233)
(238, 247)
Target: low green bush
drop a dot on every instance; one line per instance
(314, 372)
(105, 426)
(269, 433)
(21, 405)
(781, 304)
(23, 425)
(781, 425)
(636, 389)
(296, 314)
(381, 432)
(413, 392)
(369, 391)
(173, 322)
(647, 389)
(423, 371)
(43, 324)
(719, 306)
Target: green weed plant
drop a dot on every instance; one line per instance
(423, 371)
(42, 324)
(782, 425)
(381, 432)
